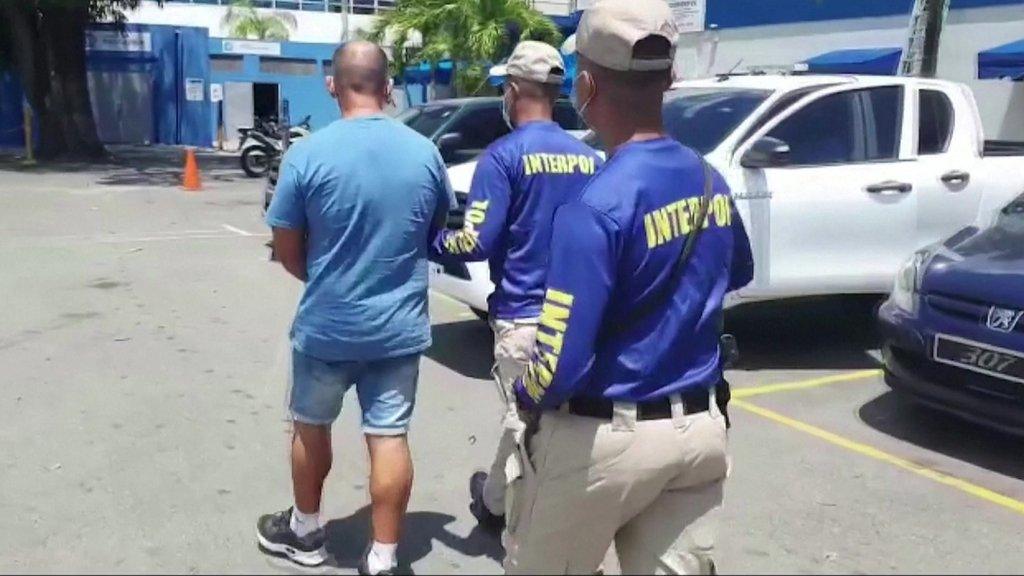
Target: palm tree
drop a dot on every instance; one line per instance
(474, 33)
(244, 21)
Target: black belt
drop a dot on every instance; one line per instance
(661, 409)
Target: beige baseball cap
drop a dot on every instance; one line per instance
(610, 30)
(537, 62)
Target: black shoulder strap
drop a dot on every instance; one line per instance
(697, 228)
(655, 304)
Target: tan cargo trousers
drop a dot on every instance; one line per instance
(653, 488)
(513, 346)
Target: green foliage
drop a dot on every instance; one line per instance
(473, 33)
(244, 21)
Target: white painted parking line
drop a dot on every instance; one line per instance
(238, 231)
(165, 238)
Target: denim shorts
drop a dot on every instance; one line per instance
(386, 389)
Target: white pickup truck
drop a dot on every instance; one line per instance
(838, 178)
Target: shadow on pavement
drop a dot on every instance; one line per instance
(465, 347)
(140, 166)
(833, 333)
(347, 539)
(932, 430)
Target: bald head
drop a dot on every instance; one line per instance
(360, 68)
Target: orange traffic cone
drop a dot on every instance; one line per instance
(192, 182)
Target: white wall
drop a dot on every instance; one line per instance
(967, 32)
(325, 27)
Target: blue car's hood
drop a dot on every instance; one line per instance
(983, 265)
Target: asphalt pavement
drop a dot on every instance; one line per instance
(143, 366)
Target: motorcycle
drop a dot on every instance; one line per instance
(256, 158)
(260, 143)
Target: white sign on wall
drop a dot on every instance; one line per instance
(114, 41)
(251, 47)
(195, 89)
(689, 14)
(216, 92)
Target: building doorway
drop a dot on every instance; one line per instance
(266, 101)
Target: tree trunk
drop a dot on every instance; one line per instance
(933, 32)
(48, 49)
(31, 65)
(64, 31)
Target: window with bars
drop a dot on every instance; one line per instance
(288, 66)
(225, 63)
(337, 6)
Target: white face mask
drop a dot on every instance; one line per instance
(575, 96)
(506, 114)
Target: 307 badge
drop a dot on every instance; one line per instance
(978, 357)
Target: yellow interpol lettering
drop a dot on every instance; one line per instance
(533, 388)
(541, 163)
(466, 240)
(652, 232)
(680, 218)
(554, 321)
(554, 316)
(553, 340)
(537, 163)
(559, 297)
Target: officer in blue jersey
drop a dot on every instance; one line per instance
(630, 447)
(519, 182)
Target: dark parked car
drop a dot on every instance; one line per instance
(461, 128)
(953, 327)
(464, 127)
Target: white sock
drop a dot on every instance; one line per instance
(381, 557)
(303, 524)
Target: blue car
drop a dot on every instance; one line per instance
(953, 332)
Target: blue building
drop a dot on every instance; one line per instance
(255, 78)
(147, 84)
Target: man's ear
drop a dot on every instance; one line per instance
(329, 82)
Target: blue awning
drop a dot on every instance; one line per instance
(424, 72)
(878, 61)
(1006, 61)
(567, 25)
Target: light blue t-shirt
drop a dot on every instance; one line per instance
(370, 193)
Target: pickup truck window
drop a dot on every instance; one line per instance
(935, 121)
(480, 127)
(702, 117)
(426, 120)
(845, 128)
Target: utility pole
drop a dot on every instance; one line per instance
(345, 8)
(921, 52)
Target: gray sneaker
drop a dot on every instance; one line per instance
(275, 536)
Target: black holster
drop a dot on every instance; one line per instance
(729, 353)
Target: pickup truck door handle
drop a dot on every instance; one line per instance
(956, 177)
(890, 186)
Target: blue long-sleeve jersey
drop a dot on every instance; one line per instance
(613, 252)
(519, 182)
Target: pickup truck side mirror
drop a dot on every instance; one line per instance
(767, 152)
(449, 143)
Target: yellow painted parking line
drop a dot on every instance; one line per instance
(874, 453)
(770, 388)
